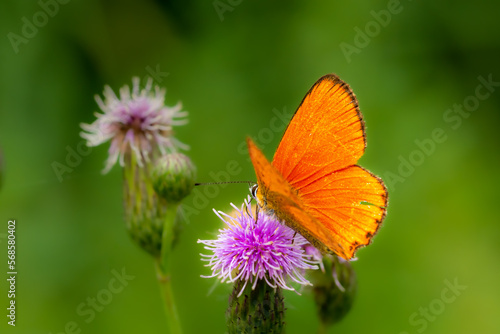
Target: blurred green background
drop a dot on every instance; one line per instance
(231, 69)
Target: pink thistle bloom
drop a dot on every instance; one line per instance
(250, 250)
(137, 123)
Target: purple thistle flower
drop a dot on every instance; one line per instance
(251, 250)
(137, 122)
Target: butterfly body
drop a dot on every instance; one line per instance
(281, 200)
(313, 184)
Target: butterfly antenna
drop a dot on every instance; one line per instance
(209, 183)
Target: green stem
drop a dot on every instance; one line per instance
(168, 300)
(163, 270)
(168, 236)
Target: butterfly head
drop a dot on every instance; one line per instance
(261, 200)
(256, 193)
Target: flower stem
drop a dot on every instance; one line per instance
(163, 270)
(168, 236)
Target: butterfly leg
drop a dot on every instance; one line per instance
(248, 211)
(256, 213)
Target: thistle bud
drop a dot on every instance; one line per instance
(256, 309)
(144, 209)
(334, 289)
(173, 177)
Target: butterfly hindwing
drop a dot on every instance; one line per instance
(350, 203)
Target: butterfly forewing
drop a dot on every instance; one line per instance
(326, 133)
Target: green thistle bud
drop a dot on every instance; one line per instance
(258, 310)
(173, 177)
(152, 193)
(144, 209)
(334, 289)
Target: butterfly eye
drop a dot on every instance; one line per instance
(253, 190)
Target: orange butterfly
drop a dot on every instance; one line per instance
(313, 184)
